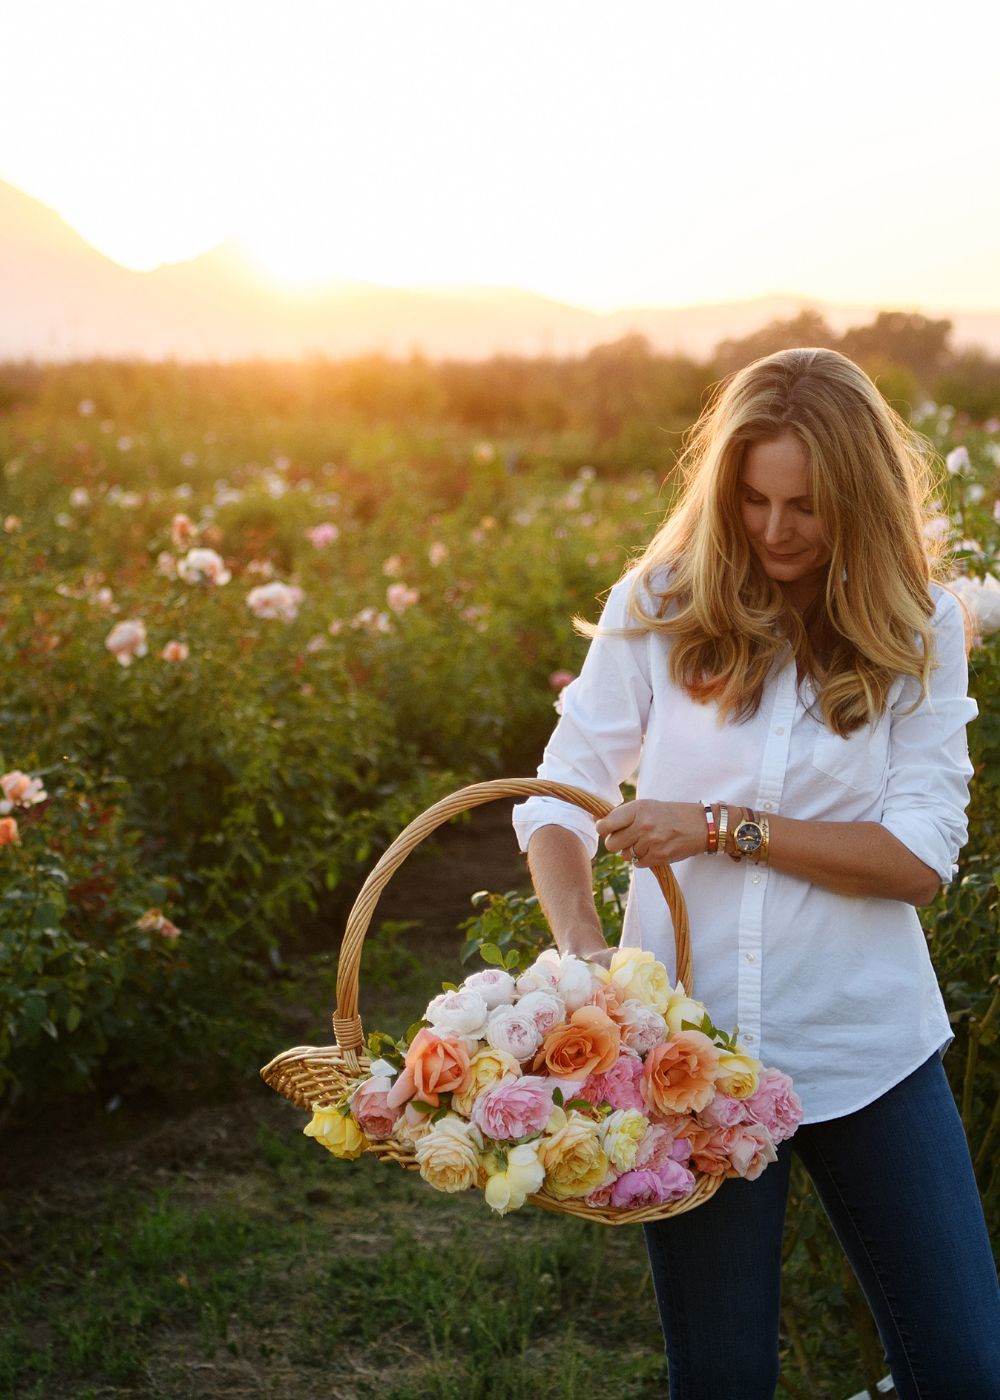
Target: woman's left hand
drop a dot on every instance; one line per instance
(655, 833)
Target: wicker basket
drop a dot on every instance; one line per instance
(318, 1076)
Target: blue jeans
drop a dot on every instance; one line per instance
(896, 1180)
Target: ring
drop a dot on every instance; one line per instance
(632, 856)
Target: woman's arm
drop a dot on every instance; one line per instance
(560, 871)
(854, 858)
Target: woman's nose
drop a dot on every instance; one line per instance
(776, 528)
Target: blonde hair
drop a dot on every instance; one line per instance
(871, 476)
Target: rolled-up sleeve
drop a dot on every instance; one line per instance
(598, 740)
(927, 789)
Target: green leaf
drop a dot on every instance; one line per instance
(411, 1031)
(579, 1103)
(490, 953)
(557, 1097)
(512, 959)
(436, 1117)
(422, 1107)
(73, 1018)
(449, 987)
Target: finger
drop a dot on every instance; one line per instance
(621, 817)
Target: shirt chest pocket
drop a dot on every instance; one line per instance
(859, 761)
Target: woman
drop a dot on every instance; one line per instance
(781, 646)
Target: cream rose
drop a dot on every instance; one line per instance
(621, 1134)
(518, 1175)
(738, 1074)
(448, 1154)
(487, 1068)
(641, 977)
(575, 1162)
(680, 1007)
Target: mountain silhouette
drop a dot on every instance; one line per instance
(62, 299)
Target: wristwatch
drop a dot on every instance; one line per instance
(749, 836)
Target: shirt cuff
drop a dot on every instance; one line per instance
(924, 839)
(550, 811)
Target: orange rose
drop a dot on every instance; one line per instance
(679, 1075)
(434, 1065)
(588, 1043)
(9, 834)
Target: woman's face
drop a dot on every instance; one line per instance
(776, 508)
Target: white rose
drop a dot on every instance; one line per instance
(510, 1029)
(460, 1013)
(545, 1009)
(495, 986)
(541, 976)
(576, 982)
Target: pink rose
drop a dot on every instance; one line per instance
(619, 1086)
(508, 1028)
(514, 1109)
(545, 1008)
(368, 1104)
(724, 1112)
(676, 1180)
(660, 1146)
(601, 1195)
(319, 536)
(642, 1027)
(775, 1104)
(640, 1188)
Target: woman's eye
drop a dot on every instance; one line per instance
(805, 510)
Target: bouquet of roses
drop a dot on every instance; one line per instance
(571, 1080)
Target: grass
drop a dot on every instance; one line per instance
(223, 1254)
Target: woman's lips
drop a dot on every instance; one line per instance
(782, 558)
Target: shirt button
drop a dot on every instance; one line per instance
(750, 957)
(767, 806)
(749, 1037)
(780, 729)
(756, 879)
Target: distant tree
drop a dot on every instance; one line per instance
(971, 384)
(904, 338)
(807, 328)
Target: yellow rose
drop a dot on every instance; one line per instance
(510, 1185)
(680, 1007)
(641, 977)
(621, 1134)
(448, 1154)
(738, 1074)
(574, 1160)
(487, 1069)
(337, 1133)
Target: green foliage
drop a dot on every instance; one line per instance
(510, 930)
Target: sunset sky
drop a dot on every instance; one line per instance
(640, 152)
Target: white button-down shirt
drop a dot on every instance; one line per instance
(836, 990)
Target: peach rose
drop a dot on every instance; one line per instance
(9, 834)
(679, 1075)
(434, 1065)
(586, 1044)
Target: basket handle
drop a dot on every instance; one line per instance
(346, 1021)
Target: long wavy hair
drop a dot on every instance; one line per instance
(871, 476)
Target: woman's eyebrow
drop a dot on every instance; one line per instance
(757, 492)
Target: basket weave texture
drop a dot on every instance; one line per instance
(313, 1076)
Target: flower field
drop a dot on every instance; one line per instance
(244, 644)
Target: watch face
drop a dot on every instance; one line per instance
(748, 837)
